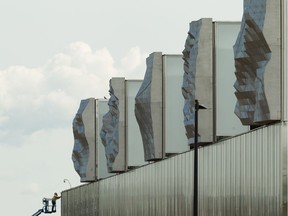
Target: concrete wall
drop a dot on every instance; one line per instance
(198, 80)
(204, 81)
(119, 89)
(273, 79)
(84, 151)
(149, 110)
(131, 152)
(120, 163)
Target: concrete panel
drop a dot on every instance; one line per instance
(197, 79)
(135, 151)
(273, 79)
(84, 151)
(113, 130)
(204, 81)
(173, 104)
(148, 108)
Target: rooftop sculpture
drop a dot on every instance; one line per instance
(252, 53)
(110, 133)
(80, 155)
(188, 87)
(148, 108)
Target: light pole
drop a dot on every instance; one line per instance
(66, 180)
(195, 204)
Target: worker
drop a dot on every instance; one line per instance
(54, 198)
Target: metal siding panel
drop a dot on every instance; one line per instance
(94, 202)
(245, 175)
(64, 203)
(81, 208)
(75, 207)
(284, 139)
(239, 176)
(284, 59)
(73, 204)
(90, 201)
(102, 196)
(78, 199)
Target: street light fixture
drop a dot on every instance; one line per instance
(195, 204)
(66, 180)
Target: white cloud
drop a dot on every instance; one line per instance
(36, 113)
(133, 59)
(19, 85)
(36, 170)
(133, 63)
(48, 96)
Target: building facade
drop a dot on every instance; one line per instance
(242, 169)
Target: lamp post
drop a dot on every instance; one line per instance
(195, 204)
(66, 180)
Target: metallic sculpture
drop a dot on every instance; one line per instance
(80, 155)
(252, 53)
(190, 54)
(110, 133)
(148, 108)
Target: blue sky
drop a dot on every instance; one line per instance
(55, 53)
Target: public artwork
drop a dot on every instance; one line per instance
(252, 54)
(190, 54)
(148, 110)
(110, 133)
(80, 155)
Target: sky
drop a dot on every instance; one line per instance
(53, 53)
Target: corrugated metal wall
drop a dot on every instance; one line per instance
(239, 176)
